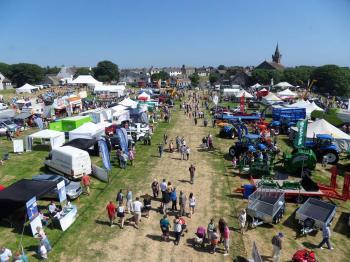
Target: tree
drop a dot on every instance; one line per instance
(221, 67)
(213, 77)
(106, 71)
(52, 70)
(298, 75)
(332, 79)
(264, 76)
(162, 75)
(194, 79)
(82, 71)
(4, 69)
(26, 73)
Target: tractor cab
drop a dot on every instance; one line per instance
(251, 139)
(323, 145)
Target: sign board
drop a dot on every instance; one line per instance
(255, 253)
(36, 222)
(300, 138)
(61, 190)
(68, 218)
(105, 154)
(32, 208)
(100, 173)
(215, 99)
(18, 146)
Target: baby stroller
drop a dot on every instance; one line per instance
(199, 239)
(304, 255)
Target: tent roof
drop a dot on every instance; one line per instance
(256, 85)
(283, 84)
(27, 87)
(244, 93)
(109, 88)
(81, 143)
(144, 95)
(287, 92)
(323, 127)
(46, 134)
(88, 127)
(16, 195)
(85, 79)
(271, 97)
(128, 102)
(310, 107)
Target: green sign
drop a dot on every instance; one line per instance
(299, 140)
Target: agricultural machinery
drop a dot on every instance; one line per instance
(286, 117)
(233, 130)
(248, 143)
(323, 145)
(301, 161)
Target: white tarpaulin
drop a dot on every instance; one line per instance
(270, 99)
(129, 103)
(88, 130)
(322, 127)
(56, 138)
(27, 88)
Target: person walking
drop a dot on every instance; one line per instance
(192, 170)
(131, 156)
(111, 212)
(214, 240)
(165, 138)
(120, 197)
(242, 219)
(182, 203)
(166, 201)
(188, 151)
(43, 238)
(173, 198)
(129, 206)
(326, 234)
(177, 229)
(164, 226)
(121, 215)
(155, 188)
(147, 204)
(85, 180)
(226, 237)
(192, 204)
(277, 246)
(137, 211)
(163, 188)
(178, 143)
(160, 150)
(210, 228)
(183, 152)
(195, 121)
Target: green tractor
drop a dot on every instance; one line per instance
(301, 162)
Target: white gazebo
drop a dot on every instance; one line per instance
(128, 102)
(88, 130)
(309, 107)
(270, 99)
(283, 85)
(55, 138)
(257, 85)
(86, 80)
(27, 88)
(287, 93)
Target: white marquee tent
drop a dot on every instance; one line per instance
(86, 80)
(56, 138)
(270, 99)
(287, 93)
(88, 130)
(309, 107)
(27, 88)
(110, 89)
(243, 93)
(323, 127)
(128, 103)
(283, 85)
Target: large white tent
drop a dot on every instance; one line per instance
(257, 85)
(88, 130)
(27, 88)
(86, 80)
(270, 99)
(287, 93)
(283, 85)
(56, 138)
(110, 89)
(309, 107)
(243, 93)
(128, 103)
(322, 127)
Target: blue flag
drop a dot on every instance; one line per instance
(105, 154)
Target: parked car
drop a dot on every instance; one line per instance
(3, 106)
(10, 125)
(73, 189)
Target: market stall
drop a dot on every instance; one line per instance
(54, 138)
(88, 131)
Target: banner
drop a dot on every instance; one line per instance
(255, 253)
(61, 190)
(123, 139)
(299, 140)
(18, 146)
(100, 173)
(105, 154)
(32, 209)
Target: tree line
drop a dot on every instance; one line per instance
(330, 79)
(21, 73)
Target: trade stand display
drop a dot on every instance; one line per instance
(128, 103)
(56, 138)
(71, 123)
(88, 131)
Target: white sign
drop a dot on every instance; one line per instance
(215, 99)
(61, 190)
(36, 222)
(18, 146)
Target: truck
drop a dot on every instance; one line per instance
(283, 118)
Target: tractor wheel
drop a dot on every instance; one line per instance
(332, 157)
(232, 151)
(277, 131)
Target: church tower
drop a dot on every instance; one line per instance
(277, 56)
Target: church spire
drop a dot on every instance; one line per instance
(277, 56)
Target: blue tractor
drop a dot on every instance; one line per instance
(235, 129)
(283, 125)
(323, 145)
(286, 117)
(247, 143)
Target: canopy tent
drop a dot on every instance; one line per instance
(27, 88)
(283, 85)
(129, 103)
(322, 127)
(88, 131)
(110, 89)
(243, 93)
(144, 96)
(19, 193)
(89, 145)
(257, 85)
(309, 107)
(270, 99)
(230, 91)
(86, 80)
(56, 138)
(287, 93)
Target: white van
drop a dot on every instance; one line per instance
(69, 161)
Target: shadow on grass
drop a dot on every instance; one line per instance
(341, 226)
(184, 181)
(102, 222)
(309, 245)
(155, 237)
(235, 196)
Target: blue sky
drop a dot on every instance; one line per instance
(171, 33)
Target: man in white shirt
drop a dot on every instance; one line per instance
(5, 254)
(137, 211)
(53, 209)
(163, 187)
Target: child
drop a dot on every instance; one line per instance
(234, 162)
